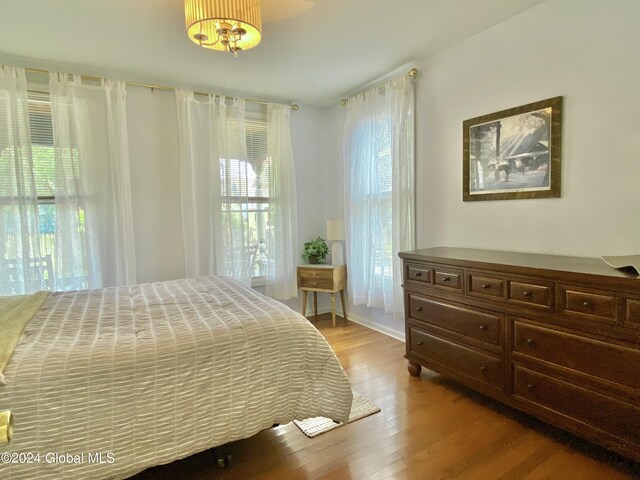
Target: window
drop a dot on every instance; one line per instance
(245, 199)
(41, 250)
(371, 205)
(379, 159)
(238, 196)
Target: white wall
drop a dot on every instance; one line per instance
(155, 183)
(585, 50)
(310, 138)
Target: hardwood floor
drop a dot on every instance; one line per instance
(429, 428)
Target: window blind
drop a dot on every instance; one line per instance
(41, 126)
(256, 124)
(248, 176)
(41, 140)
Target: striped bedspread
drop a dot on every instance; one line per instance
(151, 373)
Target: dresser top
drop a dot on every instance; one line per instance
(529, 261)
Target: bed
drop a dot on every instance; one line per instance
(151, 373)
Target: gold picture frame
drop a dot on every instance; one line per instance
(513, 154)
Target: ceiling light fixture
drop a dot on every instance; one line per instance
(224, 25)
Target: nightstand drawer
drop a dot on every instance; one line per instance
(315, 274)
(311, 282)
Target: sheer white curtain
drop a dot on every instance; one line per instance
(283, 217)
(65, 194)
(380, 193)
(19, 226)
(94, 222)
(214, 186)
(196, 184)
(231, 207)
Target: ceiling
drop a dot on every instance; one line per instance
(312, 51)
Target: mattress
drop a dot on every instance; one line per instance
(105, 383)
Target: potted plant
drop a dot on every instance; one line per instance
(315, 251)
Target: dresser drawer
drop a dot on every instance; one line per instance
(486, 286)
(618, 418)
(529, 293)
(451, 279)
(419, 273)
(608, 361)
(632, 312)
(485, 368)
(473, 322)
(595, 305)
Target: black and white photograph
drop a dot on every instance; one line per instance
(509, 153)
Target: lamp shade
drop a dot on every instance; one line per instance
(205, 18)
(335, 229)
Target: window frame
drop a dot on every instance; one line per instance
(256, 121)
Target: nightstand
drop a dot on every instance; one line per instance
(323, 278)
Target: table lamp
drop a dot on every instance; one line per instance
(335, 233)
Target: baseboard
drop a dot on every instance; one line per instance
(369, 324)
(377, 327)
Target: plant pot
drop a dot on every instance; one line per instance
(314, 259)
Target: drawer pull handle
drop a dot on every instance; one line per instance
(483, 327)
(315, 283)
(446, 279)
(530, 341)
(314, 274)
(486, 285)
(526, 293)
(418, 309)
(418, 274)
(531, 387)
(420, 342)
(586, 304)
(483, 368)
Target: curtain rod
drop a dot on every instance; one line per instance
(413, 73)
(294, 107)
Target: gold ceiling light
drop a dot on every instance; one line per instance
(225, 25)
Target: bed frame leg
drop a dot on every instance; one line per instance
(222, 455)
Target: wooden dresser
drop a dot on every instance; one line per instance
(556, 337)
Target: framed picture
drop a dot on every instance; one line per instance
(513, 154)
